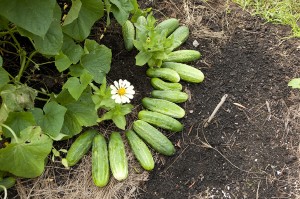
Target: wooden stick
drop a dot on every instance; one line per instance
(215, 111)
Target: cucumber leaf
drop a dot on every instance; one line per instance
(121, 10)
(72, 50)
(4, 76)
(294, 83)
(34, 16)
(25, 157)
(62, 62)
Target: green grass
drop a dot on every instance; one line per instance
(285, 12)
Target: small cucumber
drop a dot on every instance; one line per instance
(172, 96)
(180, 35)
(186, 72)
(117, 157)
(169, 25)
(128, 35)
(158, 141)
(164, 73)
(7, 183)
(162, 85)
(164, 107)
(140, 150)
(183, 56)
(100, 162)
(160, 120)
(80, 147)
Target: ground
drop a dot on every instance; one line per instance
(249, 149)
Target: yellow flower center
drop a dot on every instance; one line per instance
(121, 91)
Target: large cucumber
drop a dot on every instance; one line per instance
(169, 25)
(100, 162)
(160, 120)
(7, 183)
(158, 141)
(183, 56)
(172, 96)
(164, 73)
(180, 35)
(162, 85)
(128, 35)
(186, 72)
(80, 147)
(140, 150)
(164, 107)
(117, 157)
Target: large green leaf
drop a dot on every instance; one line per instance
(3, 23)
(51, 119)
(121, 9)
(51, 42)
(76, 86)
(71, 49)
(18, 121)
(26, 157)
(81, 18)
(97, 61)
(4, 76)
(34, 16)
(17, 98)
(62, 62)
(79, 113)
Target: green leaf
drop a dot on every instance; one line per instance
(97, 61)
(51, 42)
(71, 49)
(294, 83)
(76, 70)
(34, 16)
(17, 98)
(1, 61)
(4, 76)
(51, 119)
(26, 158)
(76, 86)
(78, 24)
(121, 10)
(62, 62)
(79, 113)
(142, 58)
(119, 121)
(18, 121)
(3, 24)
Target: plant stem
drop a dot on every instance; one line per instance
(11, 131)
(5, 191)
(23, 62)
(41, 99)
(29, 59)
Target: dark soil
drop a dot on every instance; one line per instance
(245, 152)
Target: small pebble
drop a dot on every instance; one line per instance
(195, 43)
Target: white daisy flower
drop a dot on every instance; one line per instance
(122, 91)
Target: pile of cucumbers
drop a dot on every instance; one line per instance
(161, 111)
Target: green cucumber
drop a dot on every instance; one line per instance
(168, 25)
(180, 35)
(140, 150)
(158, 141)
(172, 96)
(164, 107)
(7, 183)
(117, 157)
(162, 85)
(183, 56)
(164, 73)
(186, 72)
(80, 147)
(160, 120)
(128, 35)
(100, 162)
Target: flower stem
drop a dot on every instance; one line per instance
(11, 131)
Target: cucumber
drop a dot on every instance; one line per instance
(169, 25)
(164, 73)
(128, 35)
(162, 85)
(160, 120)
(80, 147)
(140, 150)
(164, 107)
(117, 157)
(186, 72)
(7, 183)
(183, 56)
(100, 162)
(180, 35)
(172, 96)
(158, 141)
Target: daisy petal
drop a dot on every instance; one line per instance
(118, 99)
(116, 84)
(130, 96)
